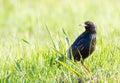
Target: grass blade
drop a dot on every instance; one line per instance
(50, 36)
(25, 41)
(70, 68)
(66, 36)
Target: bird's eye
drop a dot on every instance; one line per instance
(88, 23)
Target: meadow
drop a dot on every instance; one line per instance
(35, 34)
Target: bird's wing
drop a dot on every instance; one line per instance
(82, 42)
(75, 44)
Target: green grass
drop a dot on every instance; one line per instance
(27, 53)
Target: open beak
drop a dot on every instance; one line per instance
(83, 25)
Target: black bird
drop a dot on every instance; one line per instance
(84, 45)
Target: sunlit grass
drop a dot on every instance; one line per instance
(27, 53)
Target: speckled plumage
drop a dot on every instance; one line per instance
(84, 45)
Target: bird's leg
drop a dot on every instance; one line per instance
(82, 62)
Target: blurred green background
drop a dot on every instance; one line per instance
(25, 42)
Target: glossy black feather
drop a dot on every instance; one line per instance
(84, 45)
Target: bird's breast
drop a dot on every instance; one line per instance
(93, 43)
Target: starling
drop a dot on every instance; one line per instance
(84, 45)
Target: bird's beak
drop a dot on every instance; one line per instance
(83, 25)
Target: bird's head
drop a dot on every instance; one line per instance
(89, 26)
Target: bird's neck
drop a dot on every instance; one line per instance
(92, 32)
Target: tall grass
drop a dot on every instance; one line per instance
(27, 53)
